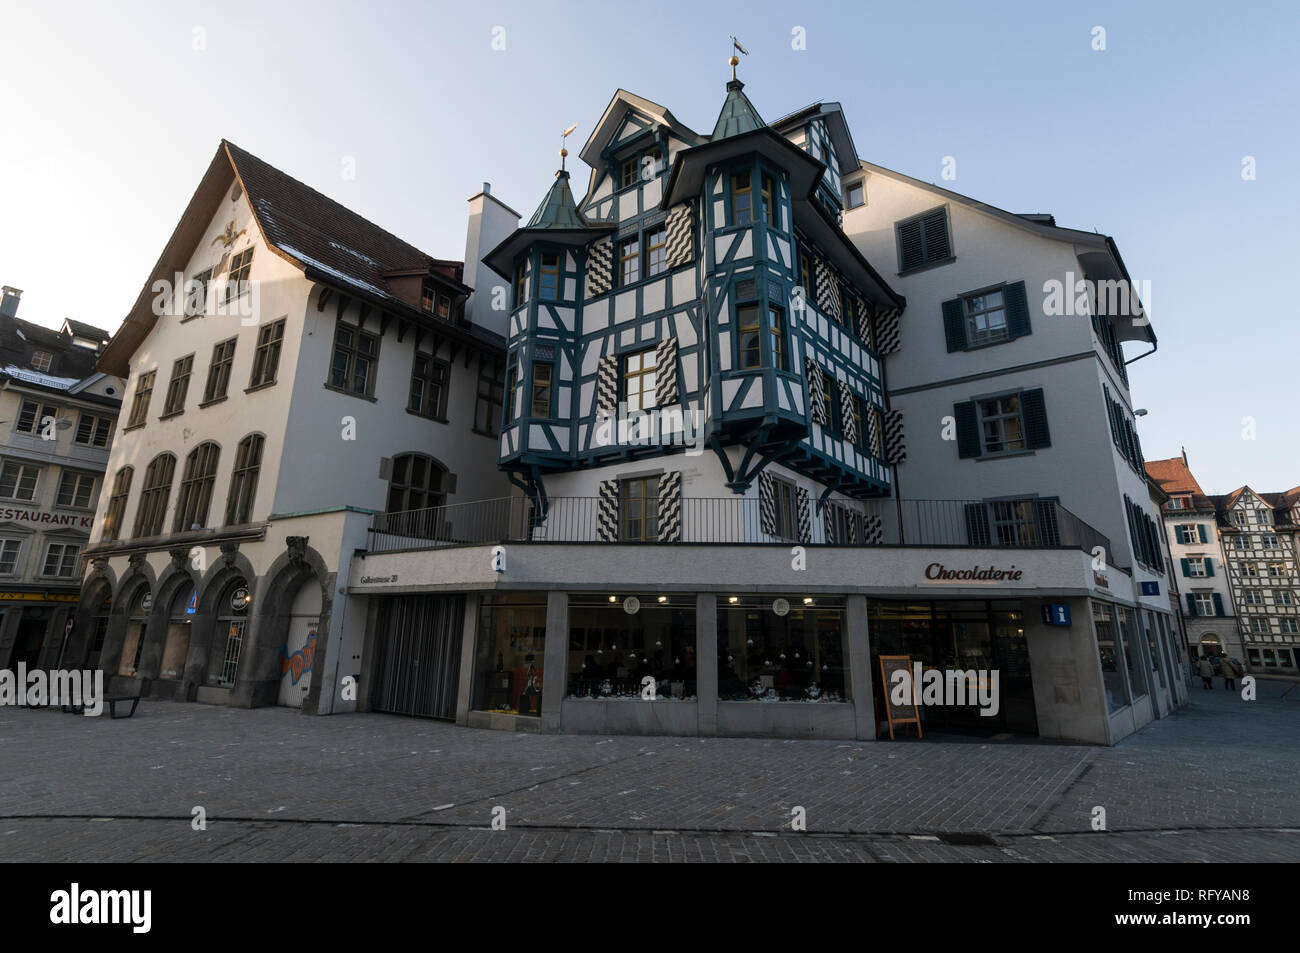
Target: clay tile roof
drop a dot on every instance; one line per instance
(1174, 477)
(316, 230)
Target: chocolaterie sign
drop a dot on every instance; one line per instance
(940, 573)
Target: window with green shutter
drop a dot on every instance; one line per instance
(993, 316)
(923, 240)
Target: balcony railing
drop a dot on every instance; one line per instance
(1024, 524)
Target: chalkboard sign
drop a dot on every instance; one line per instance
(905, 714)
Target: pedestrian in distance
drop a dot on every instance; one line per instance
(1206, 671)
(1230, 673)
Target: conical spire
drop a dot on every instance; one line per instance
(738, 114)
(558, 209)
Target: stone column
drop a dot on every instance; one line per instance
(468, 652)
(555, 676)
(706, 662)
(858, 648)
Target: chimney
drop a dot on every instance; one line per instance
(490, 222)
(9, 303)
(1184, 449)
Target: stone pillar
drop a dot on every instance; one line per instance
(706, 662)
(468, 653)
(858, 654)
(555, 676)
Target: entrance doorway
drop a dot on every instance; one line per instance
(298, 656)
(31, 638)
(982, 636)
(136, 628)
(232, 626)
(417, 655)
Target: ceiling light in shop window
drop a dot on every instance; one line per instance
(663, 598)
(613, 598)
(733, 599)
(807, 600)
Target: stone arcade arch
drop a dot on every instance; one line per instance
(89, 637)
(267, 646)
(209, 636)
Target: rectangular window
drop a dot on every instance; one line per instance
(1290, 626)
(877, 434)
(94, 430)
(1264, 517)
(768, 190)
(223, 357)
(1283, 597)
(742, 199)
(240, 268)
(117, 503)
(429, 378)
(1204, 603)
(1238, 518)
(1277, 570)
(143, 393)
(243, 480)
(41, 361)
(9, 549)
(427, 297)
(749, 335)
(196, 298)
(784, 499)
(857, 194)
(512, 381)
(1014, 522)
(541, 403)
(549, 284)
(1187, 533)
(629, 171)
(855, 409)
(18, 481)
(638, 510)
(629, 260)
(923, 240)
(75, 489)
(491, 395)
(640, 373)
(806, 277)
(1252, 597)
(178, 386)
(1196, 566)
(1002, 424)
(61, 560)
(834, 426)
(266, 359)
(34, 418)
(656, 250)
(521, 284)
(352, 365)
(776, 329)
(986, 318)
(1268, 541)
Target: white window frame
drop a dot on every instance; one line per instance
(1204, 603)
(18, 554)
(1187, 533)
(64, 546)
(989, 334)
(1195, 563)
(18, 481)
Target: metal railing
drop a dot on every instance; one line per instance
(1026, 524)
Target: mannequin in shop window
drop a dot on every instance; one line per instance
(530, 682)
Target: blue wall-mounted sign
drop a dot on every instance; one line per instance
(1150, 588)
(1056, 614)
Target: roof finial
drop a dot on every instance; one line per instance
(733, 61)
(564, 152)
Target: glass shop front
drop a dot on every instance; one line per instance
(635, 647)
(508, 670)
(782, 648)
(979, 635)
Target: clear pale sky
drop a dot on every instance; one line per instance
(111, 114)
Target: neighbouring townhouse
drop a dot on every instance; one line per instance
(292, 369)
(57, 419)
(1191, 528)
(781, 421)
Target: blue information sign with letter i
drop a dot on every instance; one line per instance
(1150, 588)
(1056, 614)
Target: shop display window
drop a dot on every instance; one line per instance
(636, 647)
(508, 673)
(782, 648)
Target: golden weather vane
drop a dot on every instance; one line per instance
(733, 61)
(564, 136)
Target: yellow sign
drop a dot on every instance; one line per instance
(37, 597)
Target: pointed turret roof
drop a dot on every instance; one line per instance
(738, 114)
(558, 209)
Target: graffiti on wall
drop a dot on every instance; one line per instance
(299, 662)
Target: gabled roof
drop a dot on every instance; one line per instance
(608, 125)
(738, 115)
(1175, 478)
(83, 330)
(833, 114)
(329, 242)
(1101, 255)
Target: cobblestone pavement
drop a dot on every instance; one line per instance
(1218, 781)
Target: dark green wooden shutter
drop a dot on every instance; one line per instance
(954, 324)
(1186, 568)
(1200, 529)
(911, 253)
(968, 429)
(1209, 568)
(1218, 603)
(1191, 604)
(937, 247)
(1035, 413)
(977, 524)
(1017, 309)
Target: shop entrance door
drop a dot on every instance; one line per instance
(31, 636)
(416, 668)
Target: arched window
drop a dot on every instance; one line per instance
(418, 482)
(196, 487)
(243, 480)
(154, 495)
(117, 503)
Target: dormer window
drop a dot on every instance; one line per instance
(427, 296)
(444, 306)
(41, 361)
(644, 165)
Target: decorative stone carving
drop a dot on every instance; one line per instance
(297, 547)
